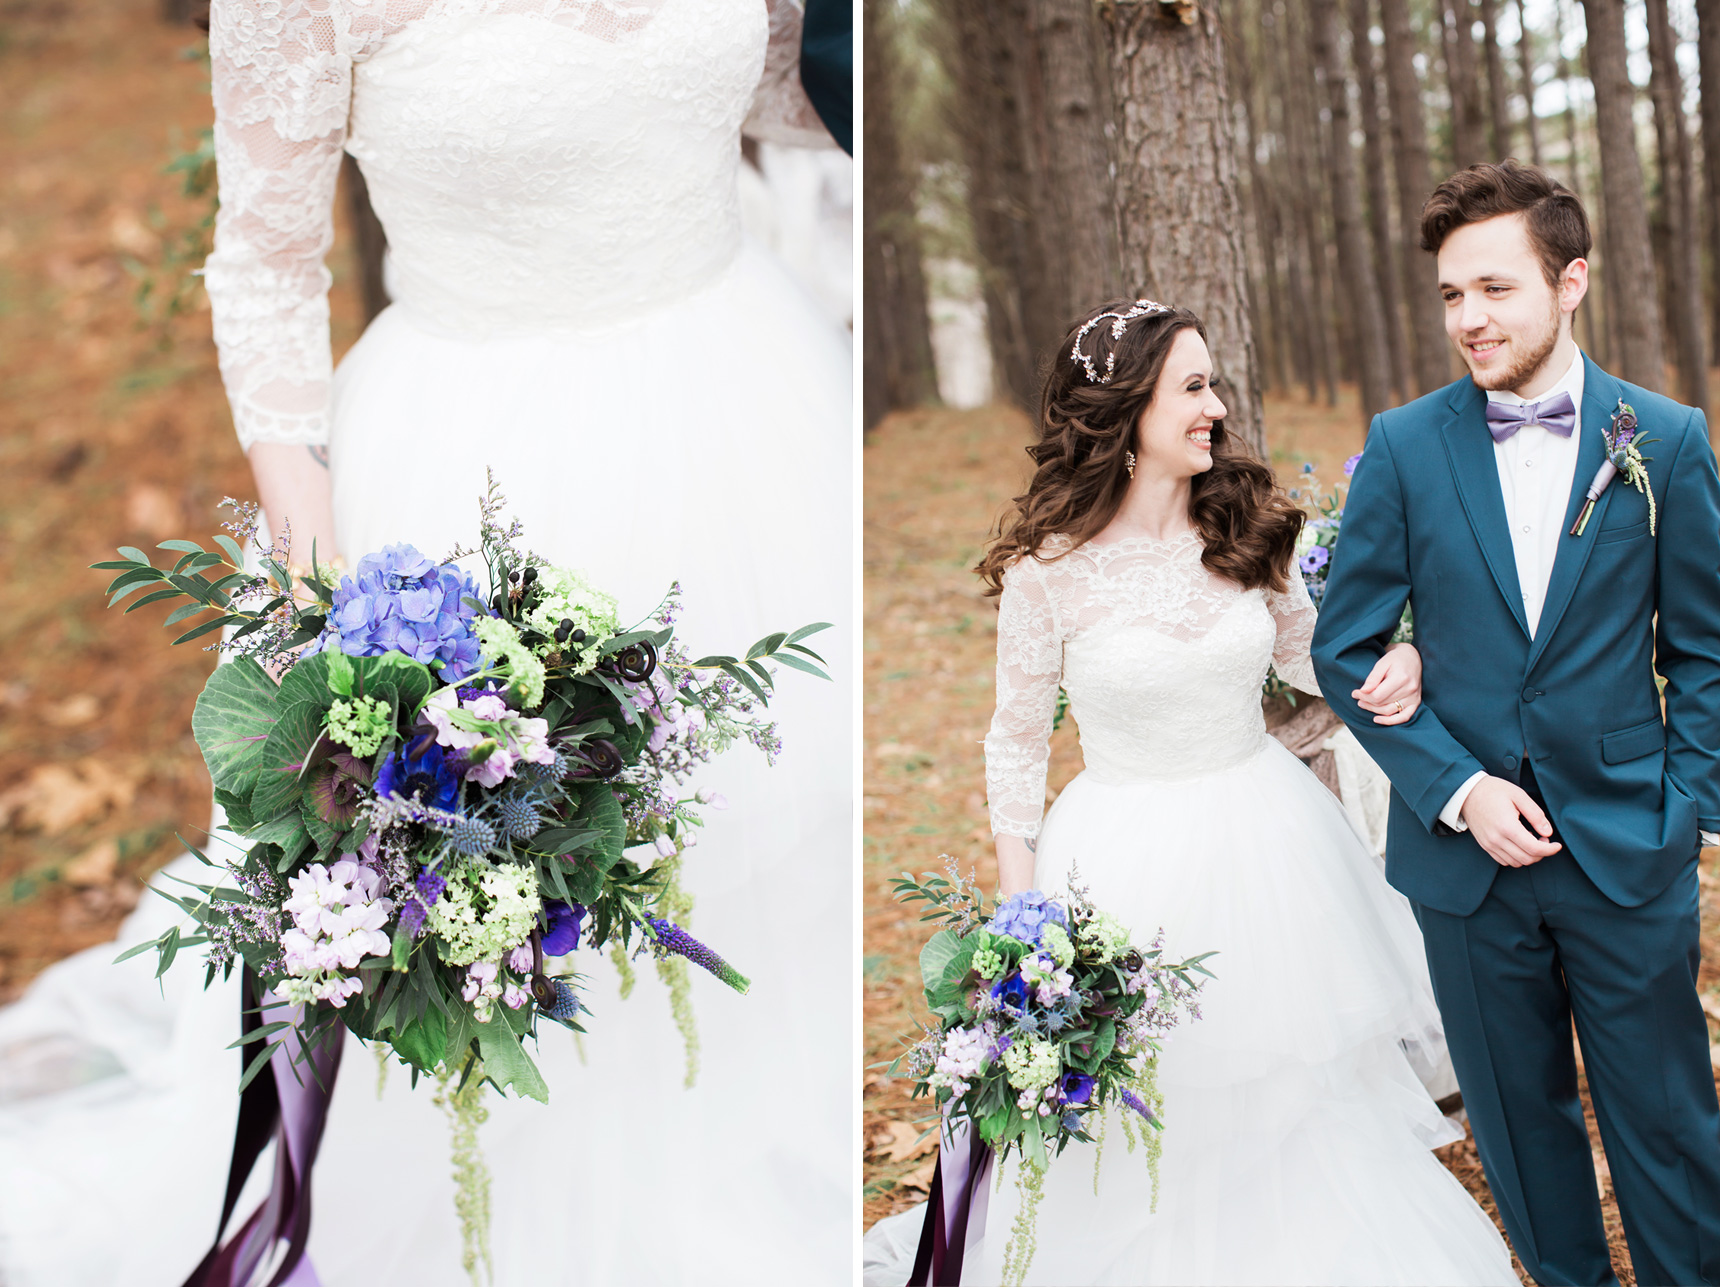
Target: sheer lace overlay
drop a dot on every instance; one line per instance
(1162, 662)
(538, 165)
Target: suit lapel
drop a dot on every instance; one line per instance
(1470, 449)
(1600, 395)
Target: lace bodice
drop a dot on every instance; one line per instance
(538, 165)
(1162, 662)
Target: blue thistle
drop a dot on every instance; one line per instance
(520, 818)
(566, 1004)
(673, 940)
(472, 837)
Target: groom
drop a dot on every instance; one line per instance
(1545, 817)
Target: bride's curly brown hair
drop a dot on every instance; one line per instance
(1247, 523)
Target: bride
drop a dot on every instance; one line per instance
(1148, 571)
(575, 308)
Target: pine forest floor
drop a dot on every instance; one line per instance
(113, 430)
(935, 481)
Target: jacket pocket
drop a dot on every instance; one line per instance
(1609, 535)
(1634, 742)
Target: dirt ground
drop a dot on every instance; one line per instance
(935, 481)
(113, 430)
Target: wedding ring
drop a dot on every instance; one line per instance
(1398, 710)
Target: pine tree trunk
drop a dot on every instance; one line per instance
(1498, 96)
(1262, 247)
(1305, 173)
(1526, 69)
(1678, 205)
(1375, 167)
(985, 112)
(897, 358)
(1631, 302)
(1414, 184)
(1079, 237)
(1179, 213)
(1276, 29)
(1460, 76)
(1355, 254)
(1708, 64)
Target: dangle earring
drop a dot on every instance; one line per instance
(1129, 462)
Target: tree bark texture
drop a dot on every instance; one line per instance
(1377, 170)
(1498, 96)
(1268, 320)
(1708, 66)
(1355, 253)
(1460, 76)
(981, 50)
(1277, 30)
(1179, 211)
(1080, 234)
(1526, 62)
(1306, 174)
(897, 366)
(1409, 147)
(1632, 300)
(1678, 205)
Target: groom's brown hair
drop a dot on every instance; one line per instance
(1558, 228)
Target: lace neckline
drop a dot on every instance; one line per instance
(1170, 547)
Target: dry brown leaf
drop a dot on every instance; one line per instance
(94, 867)
(58, 797)
(900, 1141)
(78, 709)
(920, 1177)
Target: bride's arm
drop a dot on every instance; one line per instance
(1393, 688)
(282, 85)
(781, 111)
(1018, 746)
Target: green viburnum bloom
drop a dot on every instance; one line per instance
(1055, 940)
(1107, 935)
(360, 723)
(987, 963)
(485, 912)
(501, 643)
(568, 596)
(1033, 1064)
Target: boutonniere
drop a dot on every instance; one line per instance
(1623, 457)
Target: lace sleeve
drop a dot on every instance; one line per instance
(1029, 670)
(1294, 612)
(282, 83)
(781, 111)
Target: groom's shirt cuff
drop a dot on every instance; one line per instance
(1709, 839)
(1452, 814)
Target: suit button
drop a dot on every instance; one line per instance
(1510, 761)
(1529, 694)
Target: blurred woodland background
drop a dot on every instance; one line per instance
(1262, 162)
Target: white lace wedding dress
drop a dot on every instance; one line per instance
(1297, 1138)
(575, 306)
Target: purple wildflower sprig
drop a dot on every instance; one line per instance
(670, 939)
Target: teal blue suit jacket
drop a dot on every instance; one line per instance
(1425, 524)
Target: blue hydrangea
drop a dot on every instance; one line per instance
(401, 601)
(1025, 916)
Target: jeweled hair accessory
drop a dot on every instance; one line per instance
(1119, 323)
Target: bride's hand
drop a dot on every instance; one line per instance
(1393, 688)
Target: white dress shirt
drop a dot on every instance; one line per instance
(1537, 469)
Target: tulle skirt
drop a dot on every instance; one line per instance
(1296, 1147)
(711, 443)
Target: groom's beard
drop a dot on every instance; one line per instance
(1532, 351)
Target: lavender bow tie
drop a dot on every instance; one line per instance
(1556, 415)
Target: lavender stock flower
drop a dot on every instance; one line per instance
(673, 940)
(1135, 1102)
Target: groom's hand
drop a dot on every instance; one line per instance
(1500, 816)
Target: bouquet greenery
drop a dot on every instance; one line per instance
(447, 789)
(1048, 1014)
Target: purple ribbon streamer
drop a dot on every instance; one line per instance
(290, 1106)
(955, 1212)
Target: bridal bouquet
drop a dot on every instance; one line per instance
(448, 789)
(1048, 1015)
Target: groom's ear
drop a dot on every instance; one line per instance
(1573, 285)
